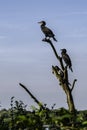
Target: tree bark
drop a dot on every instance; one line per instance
(70, 101)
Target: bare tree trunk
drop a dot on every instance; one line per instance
(61, 74)
(70, 101)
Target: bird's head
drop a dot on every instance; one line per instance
(63, 50)
(42, 22)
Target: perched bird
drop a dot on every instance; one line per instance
(66, 58)
(48, 32)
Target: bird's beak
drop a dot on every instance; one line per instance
(39, 22)
(62, 49)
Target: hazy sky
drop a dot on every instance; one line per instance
(24, 58)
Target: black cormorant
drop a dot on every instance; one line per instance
(48, 32)
(66, 58)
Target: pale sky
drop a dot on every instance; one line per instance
(24, 58)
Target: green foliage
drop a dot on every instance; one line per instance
(18, 117)
(84, 123)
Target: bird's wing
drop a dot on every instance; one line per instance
(48, 32)
(67, 59)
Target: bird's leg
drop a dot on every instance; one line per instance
(44, 39)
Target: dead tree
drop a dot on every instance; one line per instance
(61, 73)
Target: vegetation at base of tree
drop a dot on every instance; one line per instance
(19, 118)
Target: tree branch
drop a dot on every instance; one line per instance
(55, 52)
(58, 73)
(34, 98)
(73, 84)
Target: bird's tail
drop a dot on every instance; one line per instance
(71, 69)
(54, 39)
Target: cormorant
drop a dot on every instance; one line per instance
(48, 32)
(66, 58)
